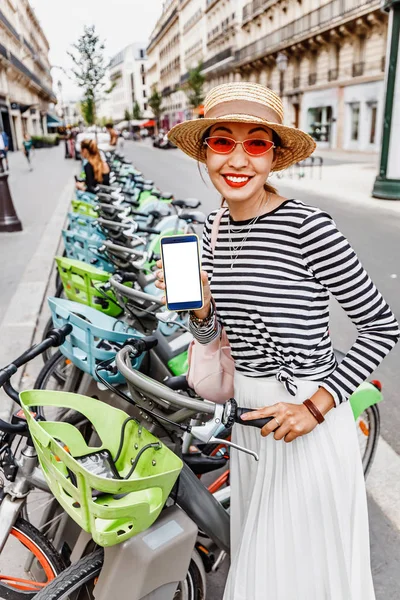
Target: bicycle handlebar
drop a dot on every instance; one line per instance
(55, 338)
(155, 389)
(132, 293)
(7, 373)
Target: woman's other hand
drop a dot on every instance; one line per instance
(80, 185)
(202, 313)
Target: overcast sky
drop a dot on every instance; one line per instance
(118, 22)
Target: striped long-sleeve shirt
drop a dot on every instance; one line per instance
(274, 301)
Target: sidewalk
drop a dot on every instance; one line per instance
(41, 198)
(345, 177)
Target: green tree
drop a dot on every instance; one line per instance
(155, 102)
(88, 110)
(195, 85)
(127, 115)
(89, 70)
(137, 113)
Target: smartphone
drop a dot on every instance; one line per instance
(182, 272)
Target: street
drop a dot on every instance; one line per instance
(374, 235)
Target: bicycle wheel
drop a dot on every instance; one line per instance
(368, 427)
(59, 293)
(23, 540)
(47, 354)
(53, 376)
(79, 580)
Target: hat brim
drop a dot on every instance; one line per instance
(296, 145)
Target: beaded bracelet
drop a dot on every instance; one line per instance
(202, 322)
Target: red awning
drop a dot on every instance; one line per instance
(150, 123)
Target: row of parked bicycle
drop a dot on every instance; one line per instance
(103, 461)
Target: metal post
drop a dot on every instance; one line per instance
(387, 182)
(8, 217)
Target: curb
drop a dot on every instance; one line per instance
(21, 319)
(383, 482)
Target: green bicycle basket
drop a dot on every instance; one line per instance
(84, 208)
(112, 510)
(81, 283)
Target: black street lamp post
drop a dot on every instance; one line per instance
(8, 217)
(281, 63)
(387, 182)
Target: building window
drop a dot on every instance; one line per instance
(144, 93)
(143, 80)
(141, 53)
(144, 105)
(319, 123)
(355, 121)
(373, 109)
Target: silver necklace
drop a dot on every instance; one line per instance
(237, 249)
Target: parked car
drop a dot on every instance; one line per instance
(161, 141)
(103, 141)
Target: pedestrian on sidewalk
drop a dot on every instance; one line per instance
(113, 135)
(4, 146)
(96, 169)
(27, 147)
(299, 522)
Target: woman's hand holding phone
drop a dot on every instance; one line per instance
(201, 313)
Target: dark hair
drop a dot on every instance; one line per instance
(277, 143)
(109, 125)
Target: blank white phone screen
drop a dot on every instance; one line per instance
(181, 272)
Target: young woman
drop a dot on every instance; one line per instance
(96, 169)
(299, 515)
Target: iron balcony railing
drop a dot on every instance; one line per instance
(3, 51)
(7, 23)
(329, 14)
(23, 69)
(254, 8)
(214, 60)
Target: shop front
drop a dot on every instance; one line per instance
(319, 113)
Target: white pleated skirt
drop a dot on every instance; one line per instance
(299, 521)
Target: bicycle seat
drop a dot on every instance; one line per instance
(167, 196)
(148, 182)
(157, 214)
(200, 463)
(193, 217)
(188, 203)
(156, 193)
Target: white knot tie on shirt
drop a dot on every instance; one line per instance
(286, 376)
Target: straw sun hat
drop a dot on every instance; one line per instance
(243, 102)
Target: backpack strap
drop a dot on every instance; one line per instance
(215, 227)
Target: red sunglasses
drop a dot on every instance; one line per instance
(225, 145)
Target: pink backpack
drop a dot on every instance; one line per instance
(211, 366)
